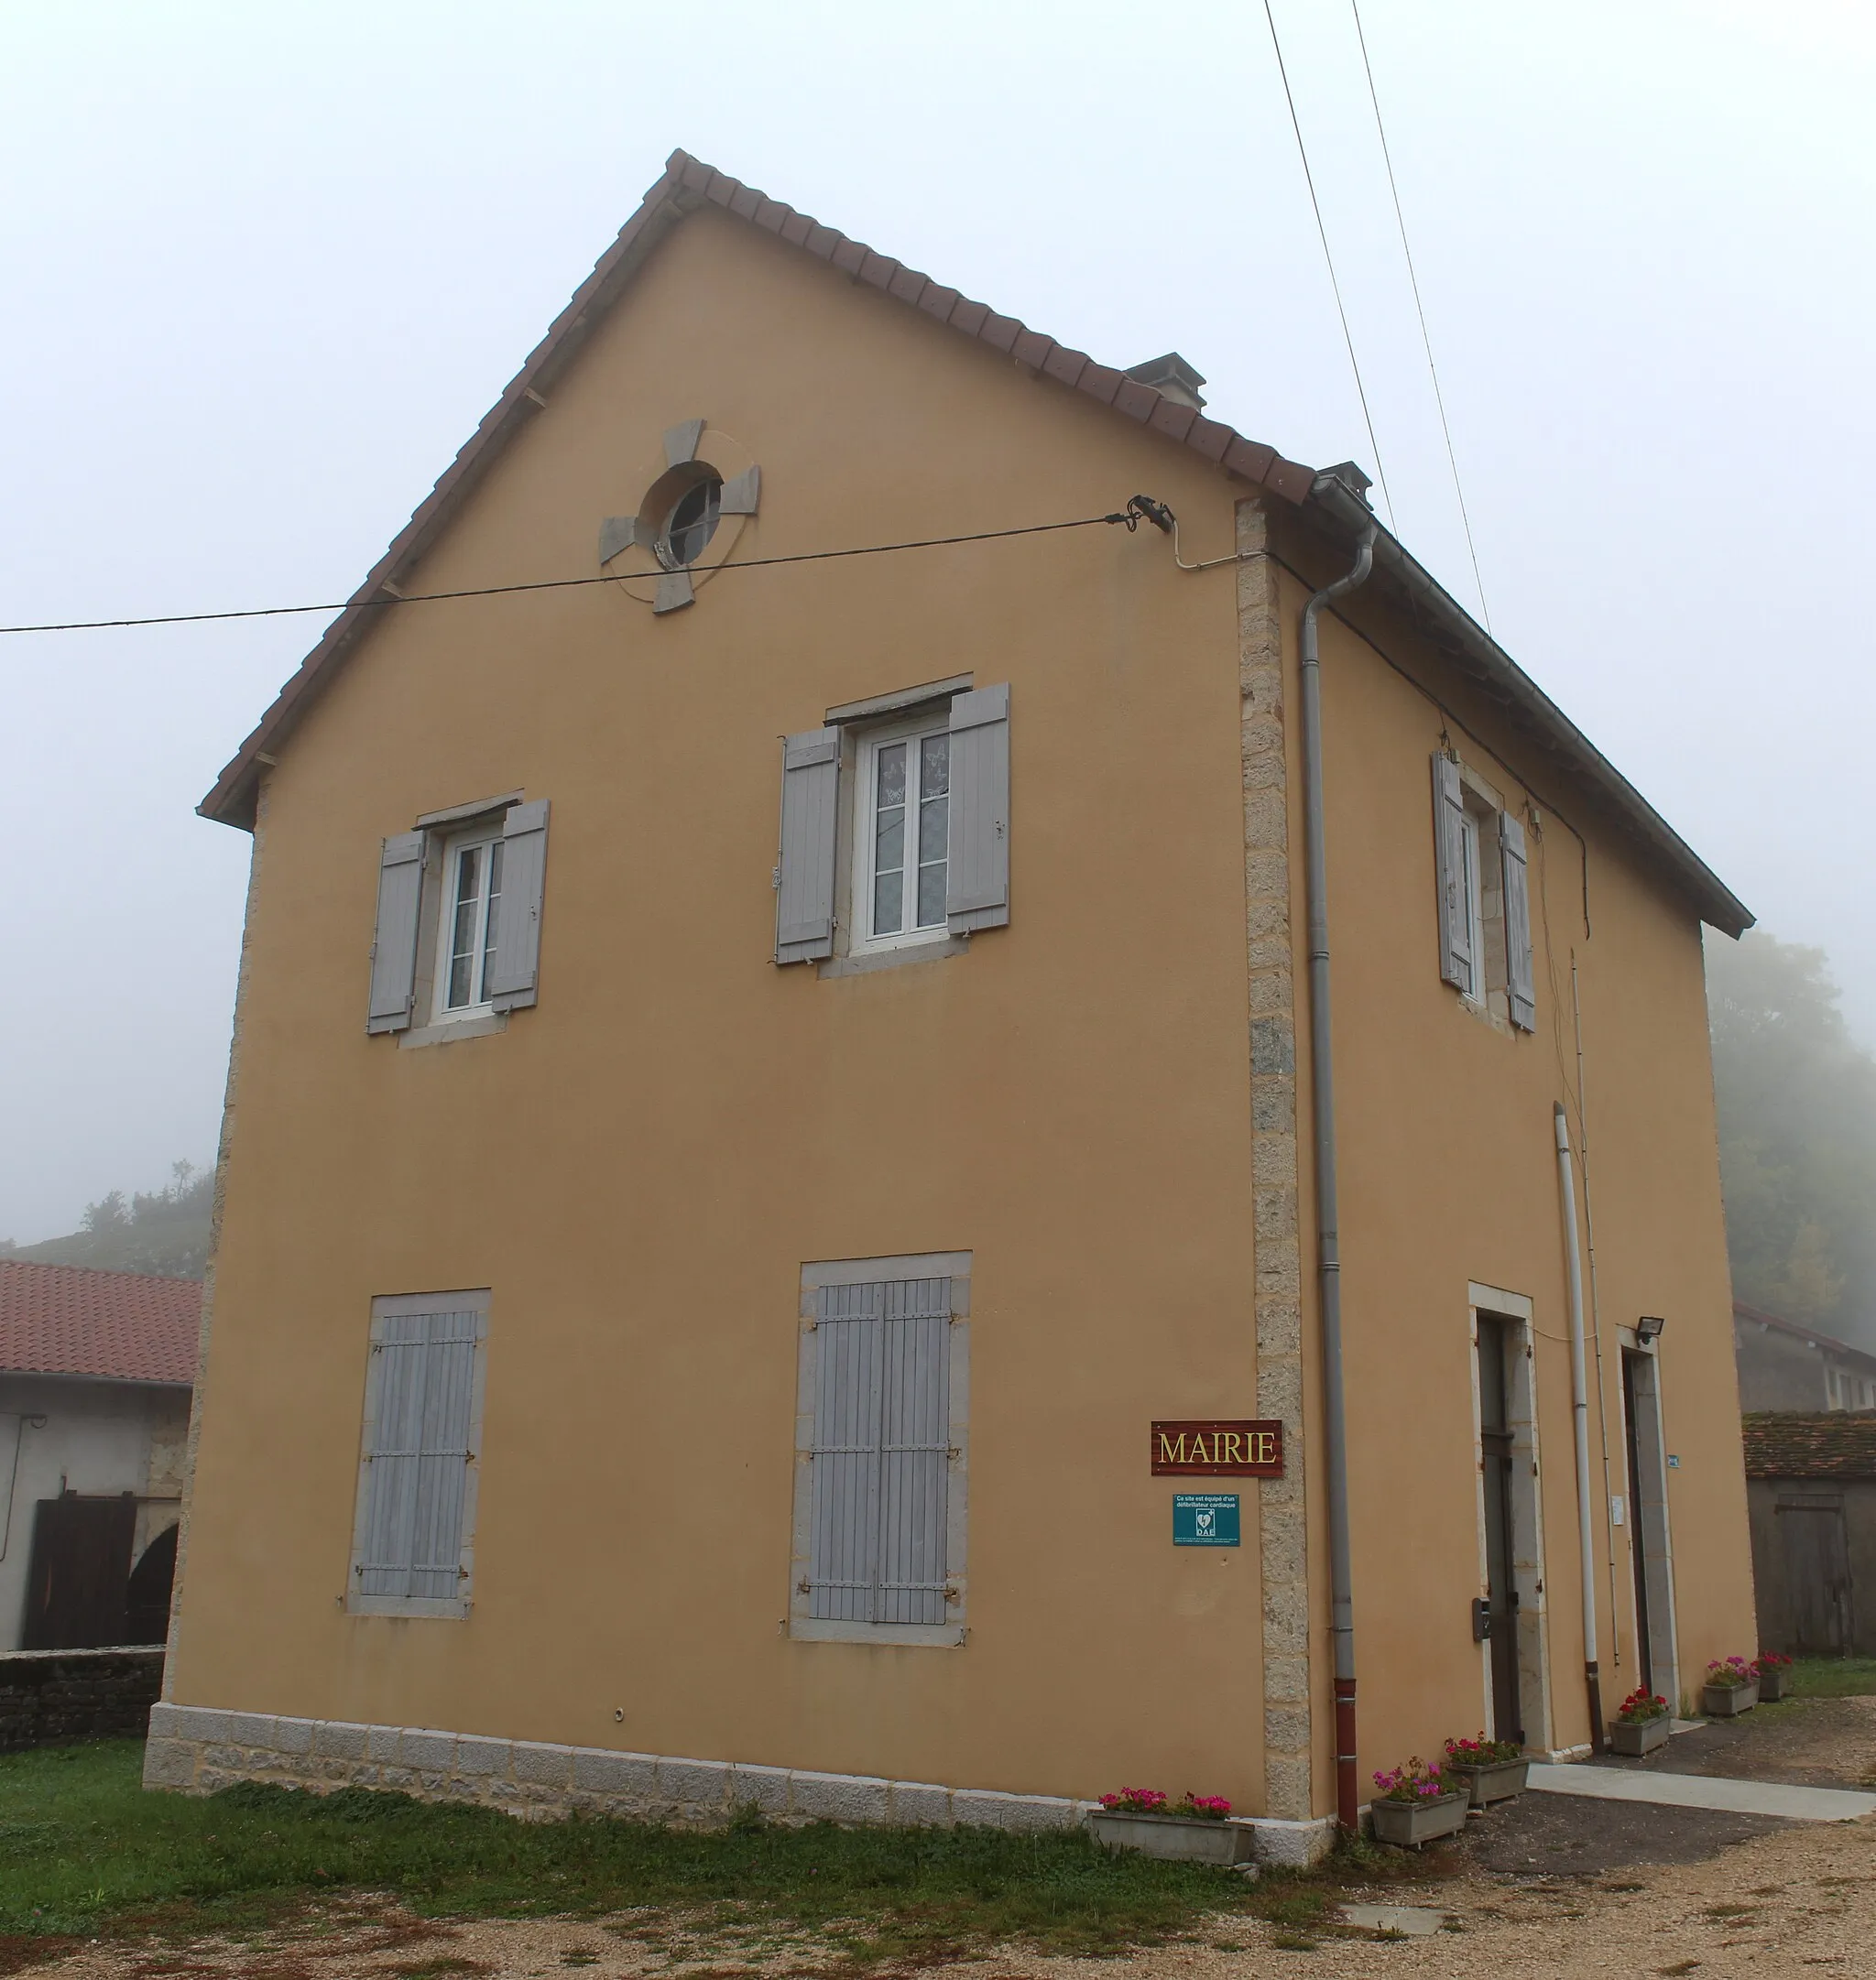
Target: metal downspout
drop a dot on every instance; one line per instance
(1579, 1394)
(1328, 1253)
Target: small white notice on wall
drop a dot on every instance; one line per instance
(1615, 1510)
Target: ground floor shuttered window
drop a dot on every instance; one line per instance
(880, 1515)
(413, 1542)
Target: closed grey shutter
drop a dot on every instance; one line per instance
(810, 827)
(881, 1452)
(1520, 973)
(977, 887)
(393, 945)
(915, 1451)
(1449, 853)
(425, 1381)
(516, 964)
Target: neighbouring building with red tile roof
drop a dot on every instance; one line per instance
(96, 1370)
(1783, 1366)
(1811, 1486)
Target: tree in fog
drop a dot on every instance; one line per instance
(1797, 1137)
(161, 1231)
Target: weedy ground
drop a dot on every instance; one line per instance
(85, 1852)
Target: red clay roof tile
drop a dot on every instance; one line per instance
(70, 1319)
(1838, 1443)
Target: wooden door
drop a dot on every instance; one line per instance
(1500, 1549)
(1817, 1553)
(78, 1579)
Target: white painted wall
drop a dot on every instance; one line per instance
(59, 1434)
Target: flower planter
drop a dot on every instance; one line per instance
(1497, 1782)
(1774, 1685)
(1408, 1824)
(1637, 1736)
(1728, 1701)
(1182, 1838)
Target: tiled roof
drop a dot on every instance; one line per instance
(688, 186)
(69, 1319)
(1836, 1443)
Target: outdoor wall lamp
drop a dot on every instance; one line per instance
(1648, 1329)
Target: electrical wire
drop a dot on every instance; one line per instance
(1130, 516)
(1335, 283)
(1420, 311)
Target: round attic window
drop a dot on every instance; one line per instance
(691, 522)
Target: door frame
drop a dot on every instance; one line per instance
(1648, 1513)
(1512, 1310)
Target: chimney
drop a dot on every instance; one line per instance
(1172, 378)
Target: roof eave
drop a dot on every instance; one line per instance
(1716, 901)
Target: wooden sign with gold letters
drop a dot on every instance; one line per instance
(1210, 1449)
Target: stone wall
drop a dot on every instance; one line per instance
(1289, 1765)
(195, 1750)
(50, 1697)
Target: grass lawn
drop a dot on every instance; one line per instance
(1834, 1677)
(84, 1851)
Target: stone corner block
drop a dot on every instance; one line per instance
(842, 1797)
(166, 1723)
(197, 1722)
(252, 1729)
(538, 1765)
(1296, 1845)
(765, 1788)
(169, 1763)
(338, 1739)
(428, 1751)
(476, 1755)
(1019, 1812)
(703, 1785)
(632, 1776)
(381, 1743)
(916, 1804)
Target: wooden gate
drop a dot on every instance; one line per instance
(1816, 1549)
(79, 1580)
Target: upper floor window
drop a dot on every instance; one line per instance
(1484, 897)
(902, 839)
(895, 826)
(471, 904)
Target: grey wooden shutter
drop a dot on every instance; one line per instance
(424, 1385)
(810, 828)
(881, 1452)
(393, 945)
(515, 966)
(1449, 853)
(1520, 974)
(977, 887)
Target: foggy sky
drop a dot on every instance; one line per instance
(262, 269)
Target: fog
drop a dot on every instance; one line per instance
(265, 268)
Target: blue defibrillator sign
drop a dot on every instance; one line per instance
(1205, 1519)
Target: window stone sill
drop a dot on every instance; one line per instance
(929, 1636)
(453, 1031)
(878, 959)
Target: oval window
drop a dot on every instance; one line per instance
(691, 522)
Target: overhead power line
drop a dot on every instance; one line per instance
(1130, 517)
(1335, 283)
(1419, 309)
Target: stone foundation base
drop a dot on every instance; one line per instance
(193, 1750)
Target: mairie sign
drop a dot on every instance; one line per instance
(1211, 1448)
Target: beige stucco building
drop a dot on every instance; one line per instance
(760, 1074)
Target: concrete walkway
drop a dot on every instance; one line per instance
(1704, 1791)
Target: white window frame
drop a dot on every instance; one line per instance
(486, 837)
(803, 1626)
(868, 746)
(1472, 882)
